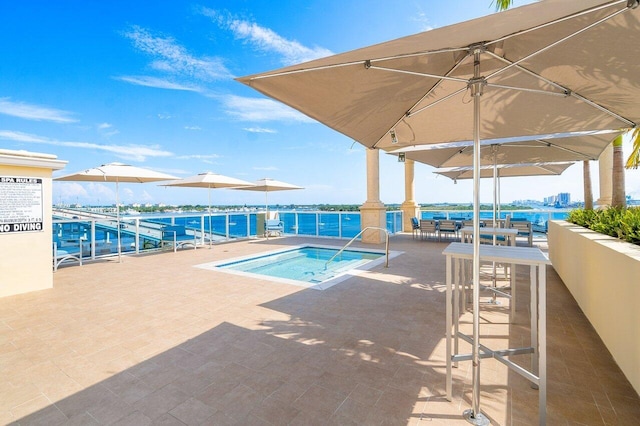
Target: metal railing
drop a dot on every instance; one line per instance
(354, 238)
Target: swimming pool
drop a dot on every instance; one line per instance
(304, 265)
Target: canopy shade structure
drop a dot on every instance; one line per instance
(550, 67)
(578, 146)
(507, 170)
(117, 172)
(267, 185)
(209, 180)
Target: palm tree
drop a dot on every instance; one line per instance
(588, 193)
(634, 159)
(618, 198)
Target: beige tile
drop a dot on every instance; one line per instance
(370, 350)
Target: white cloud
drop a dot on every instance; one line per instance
(170, 57)
(158, 83)
(259, 130)
(257, 109)
(34, 112)
(265, 39)
(129, 152)
(193, 127)
(107, 130)
(162, 116)
(205, 158)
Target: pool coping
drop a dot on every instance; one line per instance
(342, 276)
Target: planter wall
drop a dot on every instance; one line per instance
(603, 275)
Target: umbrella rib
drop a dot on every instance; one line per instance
(422, 74)
(555, 43)
(524, 89)
(564, 148)
(567, 91)
(410, 113)
(565, 18)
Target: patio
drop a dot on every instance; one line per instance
(153, 340)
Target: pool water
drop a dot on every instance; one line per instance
(306, 264)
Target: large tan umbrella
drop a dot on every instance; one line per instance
(267, 185)
(209, 180)
(117, 172)
(578, 146)
(548, 67)
(506, 170)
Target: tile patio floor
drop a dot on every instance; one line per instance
(153, 340)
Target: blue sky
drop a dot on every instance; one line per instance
(152, 84)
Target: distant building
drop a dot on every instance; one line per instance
(564, 199)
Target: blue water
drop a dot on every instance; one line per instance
(308, 264)
(539, 219)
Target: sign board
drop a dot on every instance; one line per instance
(20, 204)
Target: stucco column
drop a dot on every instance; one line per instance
(409, 207)
(605, 172)
(373, 212)
(26, 221)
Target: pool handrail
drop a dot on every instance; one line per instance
(386, 265)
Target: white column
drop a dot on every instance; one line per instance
(409, 207)
(605, 171)
(373, 211)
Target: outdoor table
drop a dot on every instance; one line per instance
(466, 233)
(456, 254)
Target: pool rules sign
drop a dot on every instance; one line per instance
(20, 204)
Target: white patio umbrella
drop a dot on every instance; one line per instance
(117, 172)
(548, 67)
(209, 180)
(267, 185)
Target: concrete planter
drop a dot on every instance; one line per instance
(603, 275)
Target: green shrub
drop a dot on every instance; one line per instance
(615, 222)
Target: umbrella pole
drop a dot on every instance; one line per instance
(210, 230)
(118, 220)
(473, 415)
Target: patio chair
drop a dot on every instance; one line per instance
(428, 227)
(447, 227)
(524, 230)
(415, 226)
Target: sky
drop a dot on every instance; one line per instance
(152, 84)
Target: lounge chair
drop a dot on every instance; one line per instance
(66, 254)
(273, 227)
(176, 236)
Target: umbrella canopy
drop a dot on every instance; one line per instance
(117, 172)
(548, 67)
(209, 180)
(267, 185)
(577, 146)
(507, 170)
